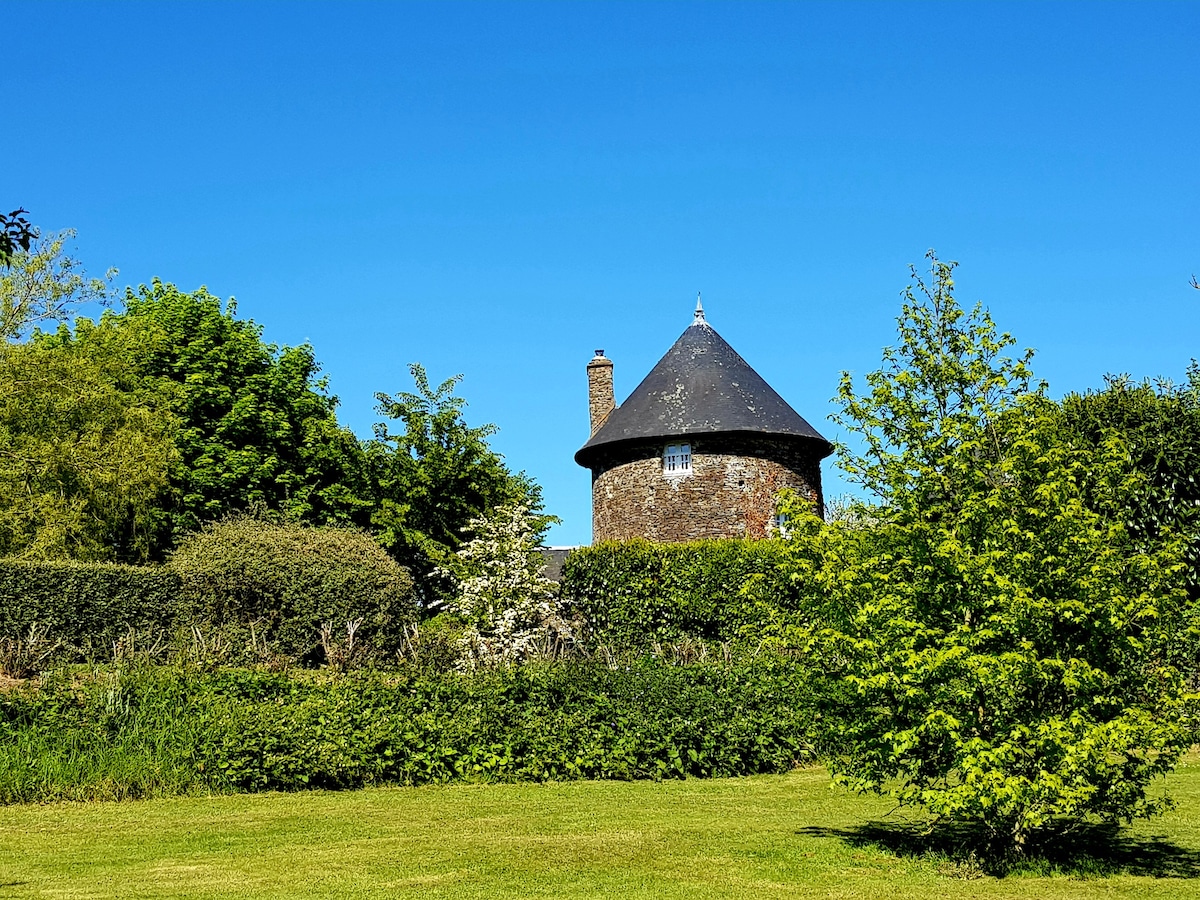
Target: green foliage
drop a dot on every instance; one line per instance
(938, 391)
(128, 732)
(636, 594)
(290, 581)
(436, 475)
(89, 446)
(1011, 667)
(258, 429)
(1000, 652)
(177, 383)
(156, 419)
(83, 609)
(45, 284)
(16, 233)
(117, 733)
(1160, 427)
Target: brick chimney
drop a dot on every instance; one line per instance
(600, 389)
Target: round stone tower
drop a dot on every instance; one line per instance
(699, 450)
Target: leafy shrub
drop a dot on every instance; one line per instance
(138, 731)
(635, 594)
(1010, 666)
(1160, 424)
(511, 612)
(84, 608)
(291, 582)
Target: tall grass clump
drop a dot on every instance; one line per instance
(119, 732)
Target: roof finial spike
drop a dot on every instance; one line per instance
(699, 310)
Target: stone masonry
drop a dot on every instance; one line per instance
(600, 389)
(745, 443)
(729, 492)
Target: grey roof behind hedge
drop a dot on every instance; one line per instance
(701, 386)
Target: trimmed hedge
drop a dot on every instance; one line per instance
(290, 580)
(154, 731)
(257, 592)
(86, 606)
(636, 593)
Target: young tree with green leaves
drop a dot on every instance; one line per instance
(940, 388)
(1001, 653)
(431, 479)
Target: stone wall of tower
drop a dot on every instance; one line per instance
(729, 493)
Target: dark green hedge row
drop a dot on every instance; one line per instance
(155, 731)
(260, 591)
(86, 606)
(636, 593)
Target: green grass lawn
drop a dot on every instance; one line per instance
(761, 837)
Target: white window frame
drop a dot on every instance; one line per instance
(677, 460)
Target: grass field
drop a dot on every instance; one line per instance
(761, 837)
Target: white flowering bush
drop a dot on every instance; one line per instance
(512, 612)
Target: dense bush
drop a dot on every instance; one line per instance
(85, 607)
(291, 581)
(635, 594)
(154, 731)
(1160, 427)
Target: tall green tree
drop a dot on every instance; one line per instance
(1001, 652)
(87, 445)
(255, 426)
(258, 425)
(436, 475)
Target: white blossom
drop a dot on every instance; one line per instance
(513, 612)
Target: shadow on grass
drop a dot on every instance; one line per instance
(1089, 851)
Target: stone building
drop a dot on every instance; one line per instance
(700, 448)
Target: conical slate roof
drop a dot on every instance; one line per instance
(701, 386)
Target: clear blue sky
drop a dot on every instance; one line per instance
(499, 189)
